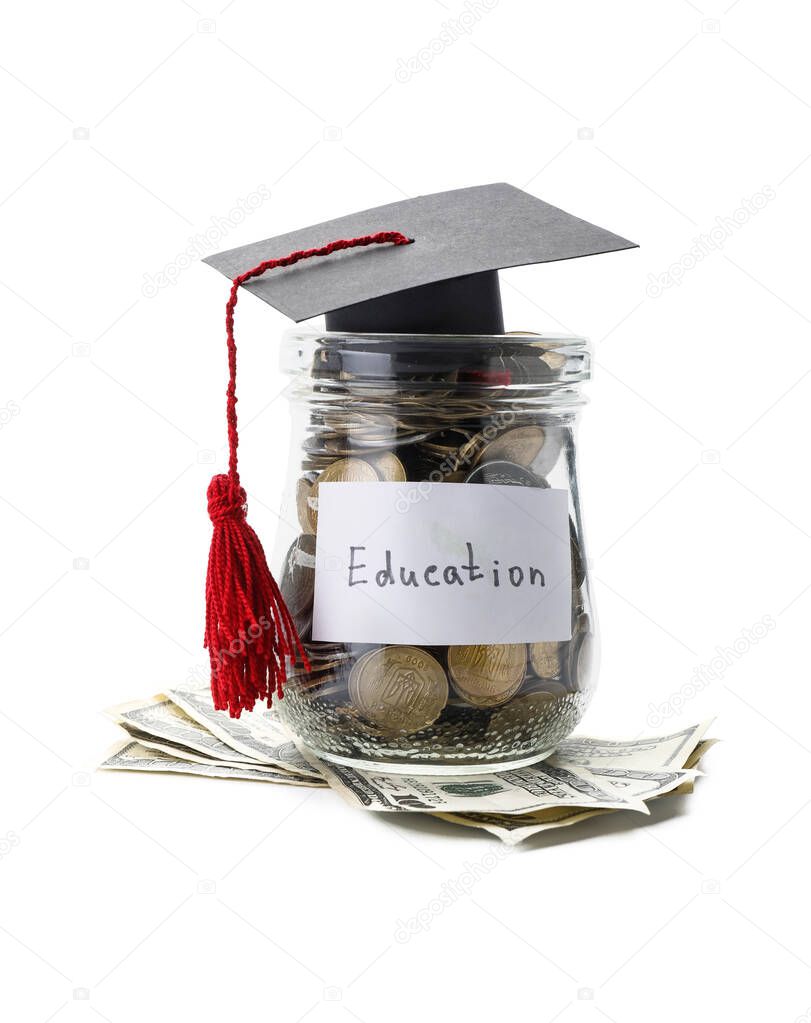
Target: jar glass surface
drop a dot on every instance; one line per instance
(423, 413)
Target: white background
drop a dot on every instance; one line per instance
(127, 128)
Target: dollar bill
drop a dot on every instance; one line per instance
(514, 829)
(258, 736)
(161, 719)
(646, 754)
(699, 752)
(179, 752)
(132, 756)
(687, 787)
(641, 784)
(511, 792)
(182, 733)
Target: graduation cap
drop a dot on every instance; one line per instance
(446, 282)
(427, 265)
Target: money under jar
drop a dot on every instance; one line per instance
(431, 549)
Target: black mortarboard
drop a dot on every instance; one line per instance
(445, 283)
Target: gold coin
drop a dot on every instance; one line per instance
(554, 360)
(399, 688)
(521, 445)
(545, 659)
(344, 470)
(388, 467)
(486, 676)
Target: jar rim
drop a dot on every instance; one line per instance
(538, 339)
(548, 367)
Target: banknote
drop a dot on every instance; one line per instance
(644, 754)
(641, 784)
(159, 718)
(512, 829)
(182, 733)
(179, 752)
(132, 756)
(519, 791)
(258, 736)
(699, 752)
(687, 787)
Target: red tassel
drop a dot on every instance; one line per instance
(249, 630)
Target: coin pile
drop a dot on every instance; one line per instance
(394, 412)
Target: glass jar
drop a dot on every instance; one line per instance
(407, 673)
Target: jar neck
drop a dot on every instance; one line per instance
(530, 370)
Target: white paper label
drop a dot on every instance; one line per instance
(455, 564)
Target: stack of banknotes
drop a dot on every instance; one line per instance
(180, 732)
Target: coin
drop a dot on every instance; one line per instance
(520, 445)
(506, 474)
(399, 688)
(388, 467)
(549, 686)
(304, 628)
(554, 360)
(297, 581)
(344, 470)
(578, 565)
(448, 439)
(582, 650)
(357, 421)
(545, 659)
(446, 445)
(304, 488)
(547, 457)
(487, 675)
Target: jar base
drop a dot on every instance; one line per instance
(422, 768)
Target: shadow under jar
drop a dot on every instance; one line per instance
(430, 651)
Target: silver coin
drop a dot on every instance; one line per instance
(297, 583)
(505, 474)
